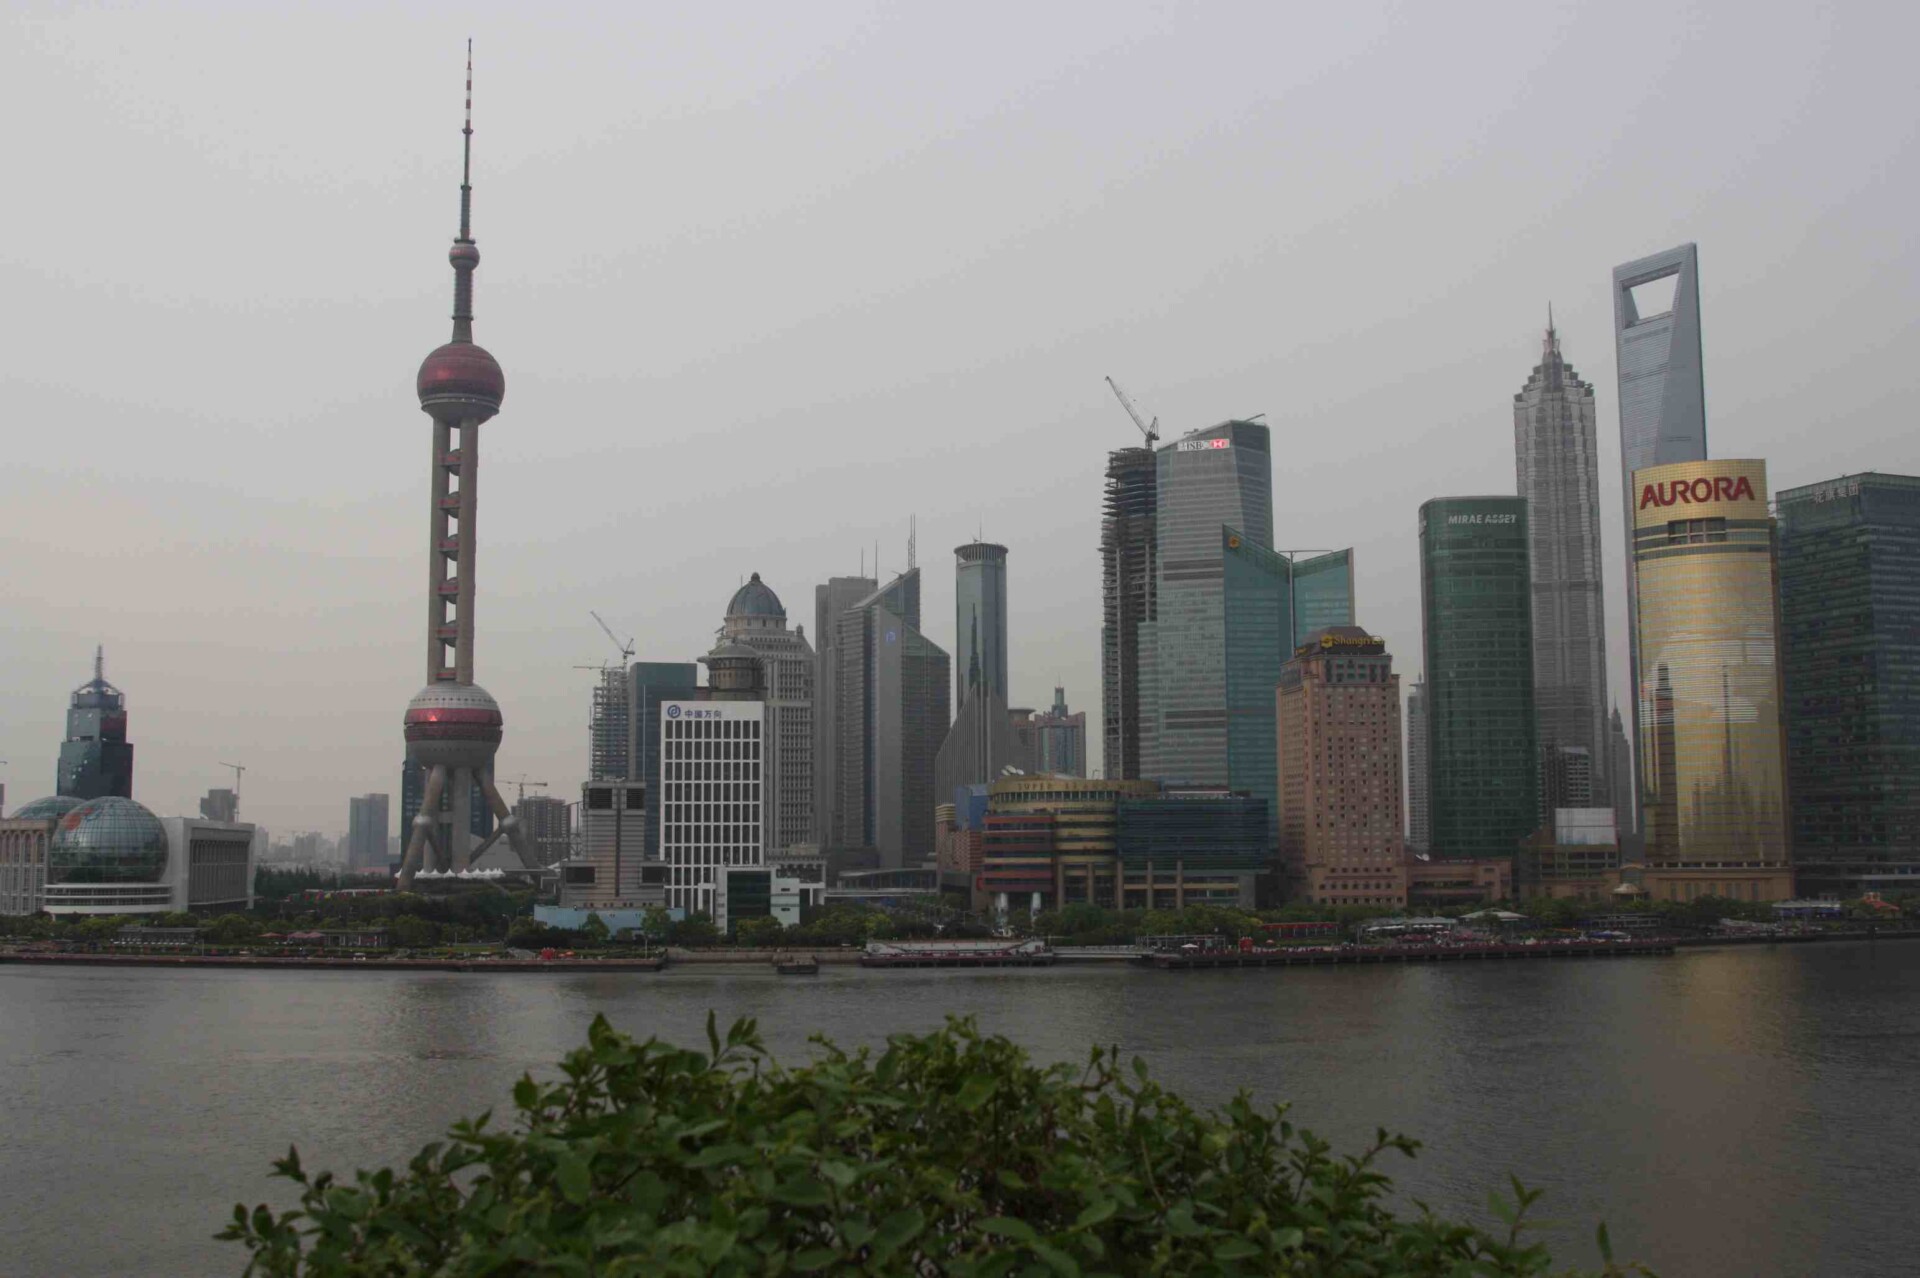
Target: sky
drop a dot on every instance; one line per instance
(770, 281)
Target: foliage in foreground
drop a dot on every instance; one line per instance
(947, 1154)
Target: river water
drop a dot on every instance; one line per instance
(1730, 1112)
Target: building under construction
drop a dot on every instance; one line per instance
(609, 736)
(1126, 572)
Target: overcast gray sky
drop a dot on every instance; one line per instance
(768, 280)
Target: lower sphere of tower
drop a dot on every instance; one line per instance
(453, 725)
(461, 380)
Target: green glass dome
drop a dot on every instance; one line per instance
(110, 840)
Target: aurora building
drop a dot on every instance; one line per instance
(1557, 471)
(1850, 642)
(1476, 620)
(1712, 777)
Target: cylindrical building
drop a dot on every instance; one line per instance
(1712, 787)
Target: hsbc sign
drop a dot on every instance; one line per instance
(1201, 445)
(1698, 492)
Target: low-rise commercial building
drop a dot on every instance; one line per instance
(1201, 846)
(1050, 841)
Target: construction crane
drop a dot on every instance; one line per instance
(523, 783)
(237, 770)
(626, 649)
(1150, 430)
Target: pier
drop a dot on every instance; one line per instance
(1330, 956)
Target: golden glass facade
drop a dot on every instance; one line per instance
(1713, 794)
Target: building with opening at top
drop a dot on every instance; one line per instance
(1850, 640)
(1342, 837)
(1712, 783)
(1476, 614)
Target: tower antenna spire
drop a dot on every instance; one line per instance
(465, 256)
(466, 156)
(100, 661)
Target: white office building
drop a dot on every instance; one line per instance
(712, 806)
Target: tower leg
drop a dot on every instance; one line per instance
(509, 824)
(460, 827)
(423, 823)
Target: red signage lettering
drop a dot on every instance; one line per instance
(1680, 492)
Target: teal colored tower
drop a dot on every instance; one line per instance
(1476, 616)
(1271, 603)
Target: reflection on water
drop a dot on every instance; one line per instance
(1740, 1112)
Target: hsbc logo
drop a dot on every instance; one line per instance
(1681, 492)
(1201, 445)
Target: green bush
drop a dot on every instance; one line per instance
(945, 1154)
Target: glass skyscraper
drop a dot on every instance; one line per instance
(1712, 783)
(1271, 604)
(1476, 614)
(980, 619)
(1663, 400)
(1850, 638)
(96, 760)
(1204, 481)
(1557, 470)
(1126, 594)
(650, 684)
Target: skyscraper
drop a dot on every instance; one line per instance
(1419, 809)
(1205, 482)
(980, 619)
(1557, 465)
(1060, 739)
(96, 761)
(1712, 776)
(548, 825)
(755, 619)
(712, 803)
(1663, 399)
(829, 601)
(1476, 618)
(453, 725)
(1620, 769)
(890, 716)
(1850, 637)
(1342, 838)
(367, 832)
(1126, 592)
(651, 684)
(610, 727)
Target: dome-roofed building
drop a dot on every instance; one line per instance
(782, 671)
(50, 808)
(756, 604)
(24, 836)
(108, 856)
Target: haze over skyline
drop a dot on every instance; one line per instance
(767, 283)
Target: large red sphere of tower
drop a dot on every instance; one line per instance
(461, 379)
(455, 725)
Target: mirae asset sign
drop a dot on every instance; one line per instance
(1482, 519)
(1680, 492)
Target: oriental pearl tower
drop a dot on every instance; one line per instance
(453, 726)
